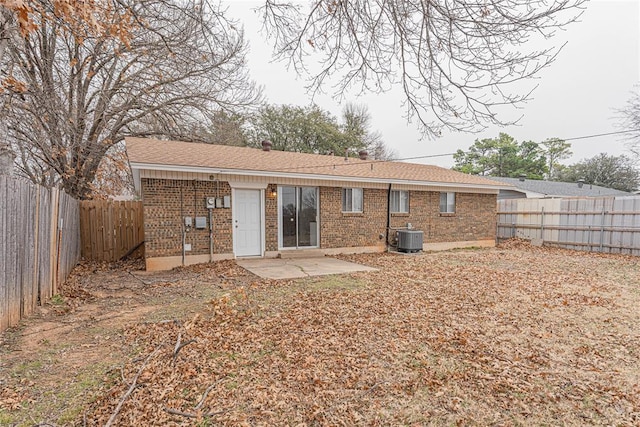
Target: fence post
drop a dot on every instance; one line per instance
(602, 229)
(611, 232)
(542, 225)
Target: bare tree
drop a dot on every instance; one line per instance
(455, 60)
(96, 18)
(356, 124)
(227, 129)
(182, 60)
(8, 28)
(113, 177)
(629, 122)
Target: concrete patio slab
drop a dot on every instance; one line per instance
(278, 268)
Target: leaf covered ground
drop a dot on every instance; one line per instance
(506, 336)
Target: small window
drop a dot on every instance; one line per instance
(399, 201)
(447, 202)
(352, 200)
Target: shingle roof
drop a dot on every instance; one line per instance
(555, 188)
(147, 153)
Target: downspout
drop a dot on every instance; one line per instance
(195, 207)
(386, 240)
(210, 235)
(211, 242)
(184, 232)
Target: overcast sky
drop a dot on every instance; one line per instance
(576, 96)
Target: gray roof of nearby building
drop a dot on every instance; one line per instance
(564, 189)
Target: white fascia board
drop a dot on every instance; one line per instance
(535, 194)
(172, 168)
(135, 173)
(268, 174)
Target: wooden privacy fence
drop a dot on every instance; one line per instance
(110, 229)
(604, 224)
(39, 245)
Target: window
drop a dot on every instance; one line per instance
(352, 200)
(399, 201)
(447, 202)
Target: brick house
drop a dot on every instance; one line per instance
(209, 202)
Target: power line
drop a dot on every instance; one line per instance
(419, 157)
(600, 134)
(335, 165)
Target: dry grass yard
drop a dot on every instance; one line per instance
(507, 336)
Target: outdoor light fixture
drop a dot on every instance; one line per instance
(273, 194)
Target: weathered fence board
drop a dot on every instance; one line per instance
(110, 229)
(69, 236)
(603, 224)
(45, 278)
(37, 251)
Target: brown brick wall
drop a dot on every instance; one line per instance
(271, 219)
(342, 230)
(167, 201)
(474, 218)
(420, 213)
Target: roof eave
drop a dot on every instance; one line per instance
(257, 173)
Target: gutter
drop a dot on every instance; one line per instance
(265, 174)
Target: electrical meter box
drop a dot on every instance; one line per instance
(201, 222)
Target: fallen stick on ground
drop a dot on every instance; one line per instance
(180, 346)
(132, 386)
(161, 322)
(189, 414)
(206, 392)
(177, 346)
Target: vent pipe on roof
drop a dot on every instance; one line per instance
(580, 183)
(363, 155)
(522, 177)
(266, 145)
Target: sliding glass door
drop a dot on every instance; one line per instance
(298, 217)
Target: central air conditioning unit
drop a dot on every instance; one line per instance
(409, 240)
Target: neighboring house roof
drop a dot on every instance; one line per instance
(540, 188)
(208, 158)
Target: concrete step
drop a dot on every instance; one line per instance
(301, 253)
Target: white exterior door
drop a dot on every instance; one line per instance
(247, 222)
